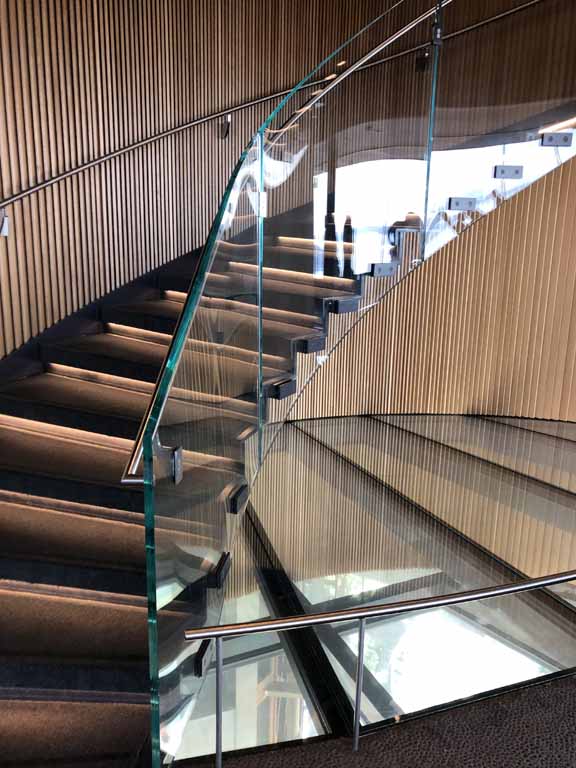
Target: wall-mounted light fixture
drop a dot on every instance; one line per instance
(225, 126)
(3, 223)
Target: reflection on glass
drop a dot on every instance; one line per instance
(333, 586)
(264, 702)
(265, 699)
(370, 197)
(211, 405)
(468, 173)
(458, 659)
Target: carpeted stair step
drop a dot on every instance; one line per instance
(58, 462)
(55, 622)
(219, 321)
(296, 254)
(72, 730)
(138, 354)
(113, 405)
(38, 527)
(305, 297)
(234, 272)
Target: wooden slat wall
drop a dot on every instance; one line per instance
(486, 326)
(82, 78)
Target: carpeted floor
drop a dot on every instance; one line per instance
(531, 728)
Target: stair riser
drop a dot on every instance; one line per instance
(78, 576)
(116, 367)
(68, 417)
(73, 490)
(242, 337)
(74, 677)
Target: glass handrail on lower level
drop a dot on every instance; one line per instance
(361, 615)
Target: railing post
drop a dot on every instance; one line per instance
(219, 686)
(359, 684)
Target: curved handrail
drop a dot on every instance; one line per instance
(167, 371)
(364, 311)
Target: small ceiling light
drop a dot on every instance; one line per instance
(571, 123)
(341, 63)
(316, 93)
(331, 77)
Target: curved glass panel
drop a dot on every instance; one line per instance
(349, 185)
(364, 511)
(345, 179)
(473, 149)
(194, 456)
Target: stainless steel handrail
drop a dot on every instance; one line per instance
(353, 614)
(359, 64)
(374, 611)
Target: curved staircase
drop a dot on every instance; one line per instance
(74, 642)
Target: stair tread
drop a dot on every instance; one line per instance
(150, 347)
(185, 267)
(64, 506)
(221, 313)
(107, 399)
(47, 530)
(99, 460)
(76, 729)
(298, 278)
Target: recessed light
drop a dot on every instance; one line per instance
(341, 63)
(331, 77)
